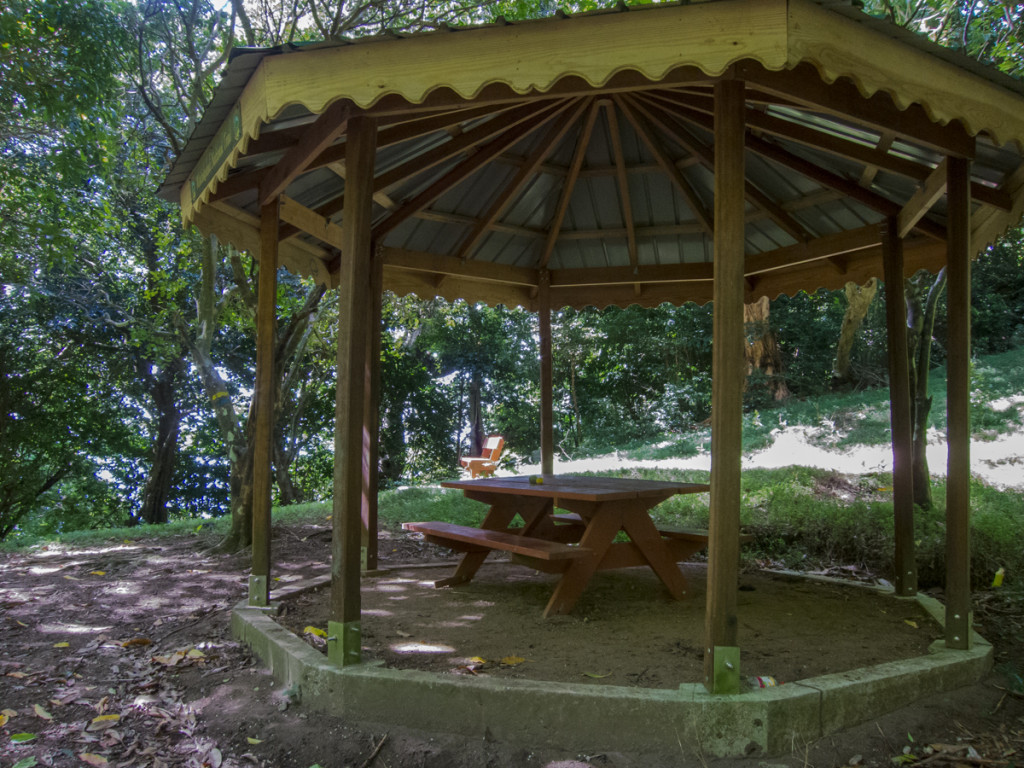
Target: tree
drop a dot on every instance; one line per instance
(858, 301)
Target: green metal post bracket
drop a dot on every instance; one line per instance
(343, 643)
(727, 670)
(259, 594)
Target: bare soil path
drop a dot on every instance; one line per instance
(121, 655)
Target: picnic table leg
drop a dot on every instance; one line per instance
(498, 518)
(598, 537)
(642, 532)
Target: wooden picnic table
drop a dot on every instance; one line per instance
(576, 544)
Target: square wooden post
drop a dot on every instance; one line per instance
(547, 428)
(371, 413)
(904, 560)
(263, 406)
(958, 426)
(354, 305)
(721, 653)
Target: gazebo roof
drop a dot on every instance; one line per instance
(584, 146)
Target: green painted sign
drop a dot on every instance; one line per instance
(219, 150)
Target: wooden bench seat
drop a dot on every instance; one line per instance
(464, 538)
(689, 534)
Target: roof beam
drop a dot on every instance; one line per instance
(526, 171)
(622, 180)
(823, 176)
(448, 266)
(842, 98)
(310, 222)
(704, 154)
(671, 169)
(555, 225)
(327, 128)
(922, 200)
(467, 167)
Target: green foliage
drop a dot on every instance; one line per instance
(59, 61)
(410, 505)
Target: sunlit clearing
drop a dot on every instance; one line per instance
(58, 551)
(39, 570)
(453, 624)
(421, 648)
(70, 629)
(125, 589)
(472, 617)
(390, 588)
(483, 604)
(377, 612)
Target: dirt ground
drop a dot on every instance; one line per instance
(121, 655)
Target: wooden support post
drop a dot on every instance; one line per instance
(958, 426)
(263, 405)
(371, 415)
(547, 429)
(343, 628)
(904, 560)
(721, 653)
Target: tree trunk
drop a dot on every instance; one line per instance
(762, 350)
(858, 301)
(158, 486)
(289, 492)
(476, 419)
(922, 302)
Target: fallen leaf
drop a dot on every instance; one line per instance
(62, 645)
(253, 741)
(170, 661)
(195, 653)
(103, 722)
(27, 762)
(40, 712)
(97, 573)
(477, 660)
(311, 630)
(72, 578)
(911, 623)
(596, 676)
(511, 661)
(136, 641)
(9, 712)
(214, 759)
(92, 759)
(17, 675)
(21, 738)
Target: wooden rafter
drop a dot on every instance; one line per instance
(877, 157)
(871, 169)
(842, 98)
(625, 204)
(782, 218)
(310, 222)
(821, 175)
(327, 128)
(467, 167)
(668, 165)
(459, 144)
(526, 170)
(339, 169)
(923, 199)
(555, 225)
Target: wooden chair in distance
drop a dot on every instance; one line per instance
(487, 462)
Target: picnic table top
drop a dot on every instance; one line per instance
(576, 487)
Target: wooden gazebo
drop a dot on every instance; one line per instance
(714, 151)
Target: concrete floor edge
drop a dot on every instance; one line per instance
(592, 718)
